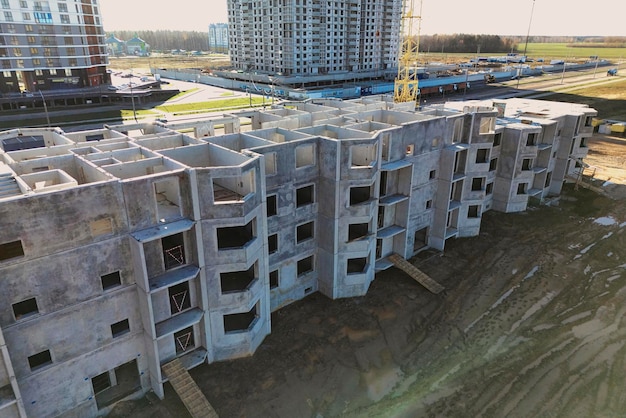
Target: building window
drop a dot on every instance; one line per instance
(305, 155)
(521, 188)
(101, 382)
(8, 16)
(11, 250)
(25, 308)
(356, 265)
(487, 125)
(305, 196)
(489, 188)
(274, 279)
(482, 155)
(429, 204)
(23, 4)
(497, 139)
(493, 164)
(63, 7)
(272, 205)
(357, 231)
(527, 164)
(477, 183)
(26, 16)
(305, 266)
(236, 236)
(238, 281)
(473, 211)
(270, 163)
(65, 19)
(531, 140)
(305, 232)
(120, 328)
(272, 243)
(360, 195)
(432, 175)
(240, 322)
(111, 280)
(39, 360)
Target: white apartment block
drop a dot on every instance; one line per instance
(49, 45)
(126, 247)
(315, 37)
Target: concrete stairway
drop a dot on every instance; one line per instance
(8, 185)
(415, 273)
(188, 391)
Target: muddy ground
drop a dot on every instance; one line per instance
(531, 325)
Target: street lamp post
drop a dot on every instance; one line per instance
(45, 108)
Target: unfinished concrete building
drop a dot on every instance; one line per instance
(127, 247)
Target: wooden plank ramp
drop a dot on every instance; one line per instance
(188, 391)
(418, 275)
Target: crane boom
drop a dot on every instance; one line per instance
(406, 83)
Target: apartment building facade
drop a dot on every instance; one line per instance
(218, 37)
(125, 247)
(47, 45)
(315, 37)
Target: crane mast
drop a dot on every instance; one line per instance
(406, 83)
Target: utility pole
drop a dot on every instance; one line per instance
(45, 107)
(519, 75)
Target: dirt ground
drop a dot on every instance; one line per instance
(530, 326)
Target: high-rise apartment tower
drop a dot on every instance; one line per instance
(51, 45)
(315, 37)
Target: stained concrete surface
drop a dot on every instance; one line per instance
(530, 325)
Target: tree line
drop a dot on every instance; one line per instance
(464, 43)
(167, 40)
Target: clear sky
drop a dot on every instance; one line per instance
(504, 17)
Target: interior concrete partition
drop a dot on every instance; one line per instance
(126, 247)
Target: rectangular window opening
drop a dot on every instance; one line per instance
(357, 231)
(305, 232)
(305, 155)
(120, 328)
(305, 266)
(236, 236)
(240, 322)
(173, 250)
(305, 196)
(179, 297)
(25, 308)
(111, 280)
(531, 140)
(238, 281)
(473, 211)
(11, 250)
(271, 205)
(482, 155)
(360, 195)
(39, 360)
(184, 340)
(356, 265)
(274, 279)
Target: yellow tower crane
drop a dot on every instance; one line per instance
(406, 83)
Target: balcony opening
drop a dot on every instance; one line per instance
(383, 183)
(473, 211)
(233, 189)
(270, 163)
(25, 308)
(305, 266)
(305, 155)
(482, 155)
(363, 156)
(173, 250)
(271, 205)
(11, 250)
(238, 281)
(457, 191)
(460, 159)
(235, 236)
(359, 195)
(167, 197)
(357, 231)
(305, 196)
(420, 239)
(184, 340)
(457, 132)
(356, 265)
(240, 322)
(487, 125)
(274, 279)
(180, 298)
(305, 232)
(531, 140)
(527, 164)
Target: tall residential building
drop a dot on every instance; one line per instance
(218, 37)
(357, 38)
(47, 45)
